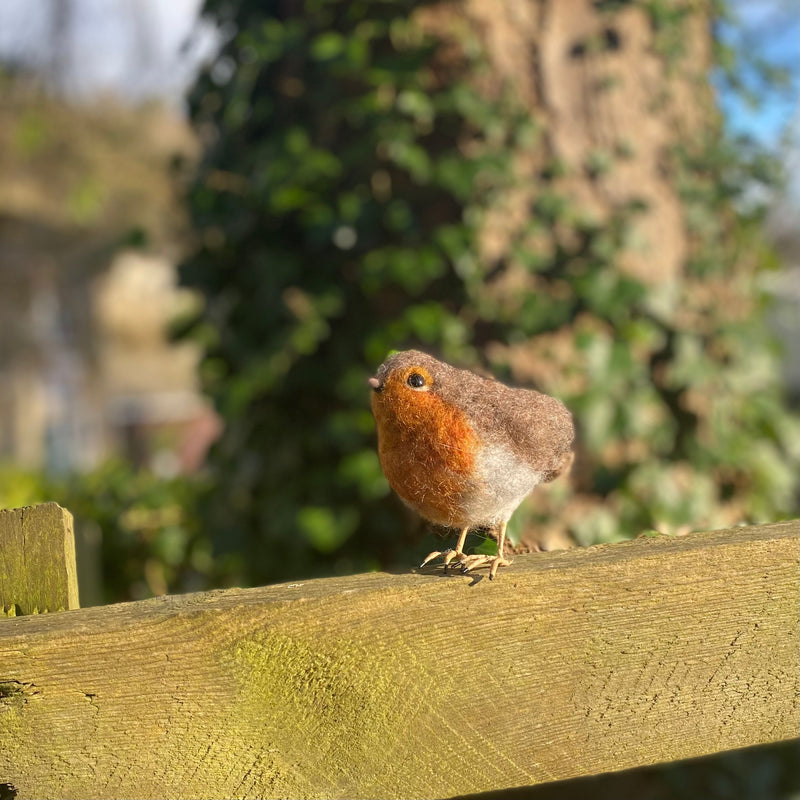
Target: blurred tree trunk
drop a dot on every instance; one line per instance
(59, 67)
(609, 90)
(610, 84)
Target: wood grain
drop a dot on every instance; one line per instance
(412, 685)
(37, 560)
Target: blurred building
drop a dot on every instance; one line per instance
(149, 386)
(86, 366)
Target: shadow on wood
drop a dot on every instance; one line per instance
(767, 771)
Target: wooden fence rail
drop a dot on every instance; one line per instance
(413, 685)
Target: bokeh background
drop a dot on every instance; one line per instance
(217, 218)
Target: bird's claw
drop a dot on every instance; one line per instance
(465, 562)
(479, 560)
(449, 555)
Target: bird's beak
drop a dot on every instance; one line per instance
(375, 384)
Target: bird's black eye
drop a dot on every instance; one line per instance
(415, 380)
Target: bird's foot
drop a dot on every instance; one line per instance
(449, 555)
(495, 562)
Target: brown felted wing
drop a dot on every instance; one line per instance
(535, 427)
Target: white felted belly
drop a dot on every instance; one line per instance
(504, 482)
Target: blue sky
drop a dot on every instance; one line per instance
(769, 29)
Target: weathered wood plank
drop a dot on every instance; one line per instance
(37, 560)
(414, 685)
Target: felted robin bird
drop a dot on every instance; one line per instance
(464, 451)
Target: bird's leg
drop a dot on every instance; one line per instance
(449, 554)
(459, 551)
(495, 562)
(499, 560)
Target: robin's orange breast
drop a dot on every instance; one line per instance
(428, 450)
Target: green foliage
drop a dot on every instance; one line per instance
(144, 529)
(151, 539)
(352, 162)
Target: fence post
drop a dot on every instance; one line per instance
(37, 560)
